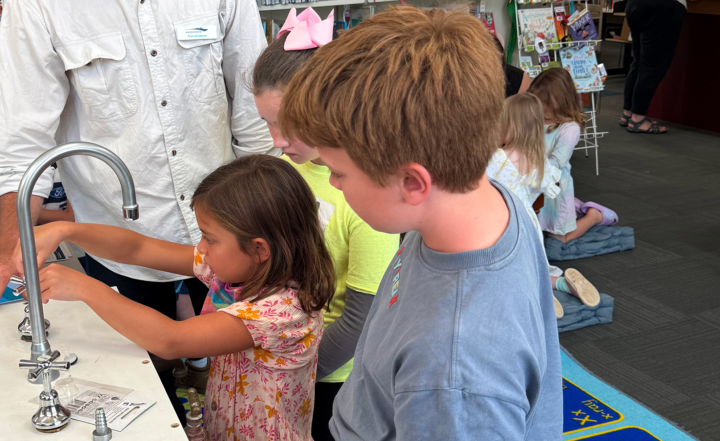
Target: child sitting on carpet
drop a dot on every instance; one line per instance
(360, 254)
(263, 252)
(565, 217)
(521, 166)
(461, 341)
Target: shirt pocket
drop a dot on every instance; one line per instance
(101, 75)
(203, 57)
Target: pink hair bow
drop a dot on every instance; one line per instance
(307, 30)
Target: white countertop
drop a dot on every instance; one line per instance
(104, 357)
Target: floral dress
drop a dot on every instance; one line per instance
(266, 392)
(501, 169)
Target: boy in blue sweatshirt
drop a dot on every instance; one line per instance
(461, 342)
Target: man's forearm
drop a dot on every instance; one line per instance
(8, 222)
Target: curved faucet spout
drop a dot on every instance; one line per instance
(40, 345)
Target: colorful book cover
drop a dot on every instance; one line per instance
(537, 22)
(550, 65)
(525, 63)
(582, 65)
(489, 21)
(561, 24)
(583, 28)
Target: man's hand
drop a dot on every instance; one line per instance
(9, 233)
(58, 282)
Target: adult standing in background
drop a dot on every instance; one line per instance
(158, 82)
(655, 27)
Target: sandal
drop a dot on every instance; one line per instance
(581, 288)
(609, 216)
(654, 129)
(625, 118)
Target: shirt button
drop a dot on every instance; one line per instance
(153, 52)
(174, 152)
(182, 197)
(142, 1)
(163, 103)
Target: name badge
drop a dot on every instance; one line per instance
(196, 32)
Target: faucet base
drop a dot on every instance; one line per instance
(52, 416)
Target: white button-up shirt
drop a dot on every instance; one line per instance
(127, 75)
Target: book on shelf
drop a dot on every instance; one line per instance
(534, 71)
(525, 63)
(550, 65)
(537, 22)
(582, 27)
(561, 24)
(582, 65)
(488, 20)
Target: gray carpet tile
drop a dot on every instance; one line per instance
(663, 346)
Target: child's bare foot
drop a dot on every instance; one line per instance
(595, 215)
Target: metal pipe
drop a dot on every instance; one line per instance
(40, 345)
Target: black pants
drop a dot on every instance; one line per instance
(324, 397)
(159, 296)
(655, 26)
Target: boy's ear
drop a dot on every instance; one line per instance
(416, 184)
(262, 250)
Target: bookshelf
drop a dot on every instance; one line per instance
(589, 138)
(319, 4)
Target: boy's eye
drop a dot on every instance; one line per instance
(207, 240)
(335, 175)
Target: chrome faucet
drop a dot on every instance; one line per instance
(40, 345)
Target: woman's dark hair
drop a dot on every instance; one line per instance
(264, 197)
(501, 49)
(275, 67)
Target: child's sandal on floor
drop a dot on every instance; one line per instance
(581, 288)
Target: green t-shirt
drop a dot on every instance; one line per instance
(360, 254)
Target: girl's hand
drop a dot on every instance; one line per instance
(47, 239)
(61, 283)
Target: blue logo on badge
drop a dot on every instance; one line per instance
(57, 192)
(198, 29)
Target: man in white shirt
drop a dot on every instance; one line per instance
(161, 83)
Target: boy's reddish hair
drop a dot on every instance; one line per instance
(404, 86)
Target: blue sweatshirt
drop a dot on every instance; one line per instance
(458, 346)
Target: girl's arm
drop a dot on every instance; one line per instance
(566, 141)
(204, 336)
(112, 243)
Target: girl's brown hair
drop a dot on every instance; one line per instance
(522, 125)
(264, 197)
(556, 91)
(275, 67)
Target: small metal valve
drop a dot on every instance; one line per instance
(52, 416)
(25, 328)
(102, 432)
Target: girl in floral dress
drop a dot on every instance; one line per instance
(262, 255)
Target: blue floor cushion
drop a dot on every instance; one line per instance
(598, 240)
(577, 315)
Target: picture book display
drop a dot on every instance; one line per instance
(537, 23)
(582, 65)
(582, 27)
(561, 24)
